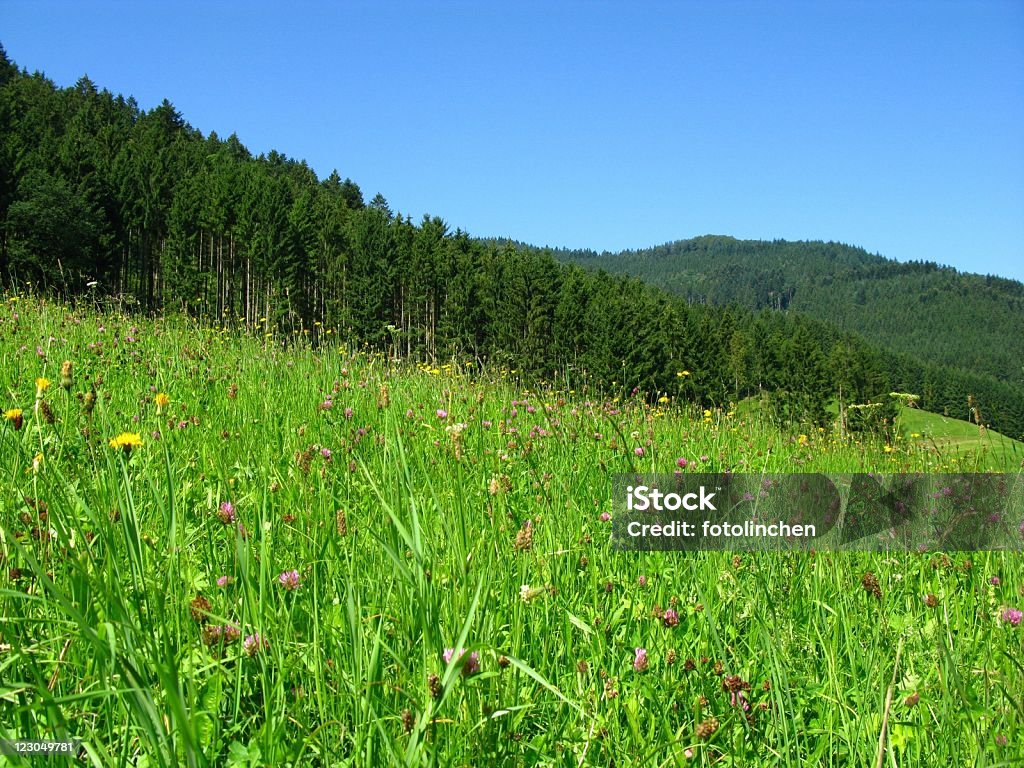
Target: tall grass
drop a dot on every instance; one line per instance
(425, 511)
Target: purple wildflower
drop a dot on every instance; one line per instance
(640, 662)
(670, 617)
(471, 665)
(226, 512)
(230, 633)
(442, 414)
(289, 580)
(252, 644)
(1013, 616)
(739, 699)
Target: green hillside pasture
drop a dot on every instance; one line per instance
(279, 563)
(961, 441)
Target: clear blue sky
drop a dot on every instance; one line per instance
(898, 127)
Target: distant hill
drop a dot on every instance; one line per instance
(934, 313)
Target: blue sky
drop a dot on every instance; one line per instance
(898, 127)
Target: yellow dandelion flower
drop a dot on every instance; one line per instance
(161, 401)
(15, 416)
(681, 374)
(663, 399)
(126, 442)
(42, 384)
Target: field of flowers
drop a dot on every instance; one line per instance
(216, 549)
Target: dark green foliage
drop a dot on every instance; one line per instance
(920, 308)
(971, 326)
(92, 188)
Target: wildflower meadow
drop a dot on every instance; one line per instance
(224, 549)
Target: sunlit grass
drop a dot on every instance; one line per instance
(267, 565)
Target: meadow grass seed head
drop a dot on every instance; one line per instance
(870, 583)
(211, 634)
(47, 412)
(200, 609)
(434, 686)
(66, 378)
(524, 537)
(706, 729)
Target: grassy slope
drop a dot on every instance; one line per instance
(411, 538)
(960, 438)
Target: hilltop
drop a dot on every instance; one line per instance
(923, 309)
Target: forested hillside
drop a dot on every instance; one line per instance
(932, 312)
(101, 198)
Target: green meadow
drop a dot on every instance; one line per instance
(222, 549)
(949, 436)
